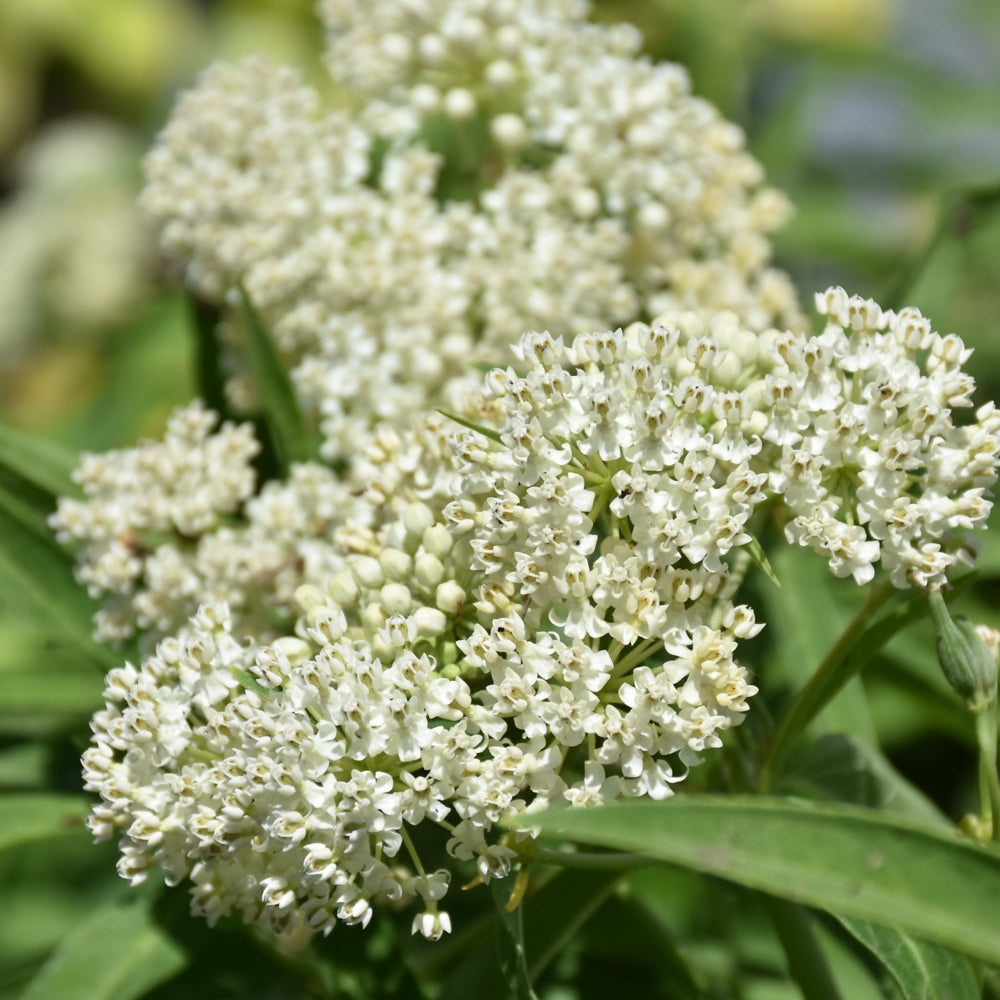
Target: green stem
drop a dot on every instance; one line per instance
(806, 961)
(834, 672)
(989, 781)
(634, 657)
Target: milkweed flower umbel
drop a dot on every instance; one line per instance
(495, 595)
(535, 604)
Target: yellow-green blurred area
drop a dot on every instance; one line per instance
(881, 119)
(92, 337)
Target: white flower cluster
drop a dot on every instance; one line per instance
(492, 167)
(170, 524)
(865, 454)
(74, 254)
(533, 605)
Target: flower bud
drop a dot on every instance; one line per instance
(429, 622)
(417, 518)
(374, 616)
(438, 541)
(428, 570)
(450, 597)
(395, 564)
(296, 650)
(308, 597)
(968, 664)
(367, 572)
(396, 599)
(342, 588)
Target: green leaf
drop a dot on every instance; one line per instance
(552, 917)
(282, 416)
(24, 765)
(845, 769)
(251, 683)
(117, 953)
(44, 464)
(478, 428)
(923, 971)
(205, 318)
(23, 505)
(37, 701)
(759, 556)
(40, 570)
(510, 942)
(851, 861)
(26, 817)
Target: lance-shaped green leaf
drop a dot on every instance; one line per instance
(36, 701)
(44, 464)
(205, 318)
(117, 953)
(923, 971)
(510, 943)
(854, 862)
(759, 556)
(250, 683)
(287, 430)
(32, 561)
(488, 432)
(26, 817)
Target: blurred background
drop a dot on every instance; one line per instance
(879, 118)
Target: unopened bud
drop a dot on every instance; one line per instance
(429, 622)
(968, 664)
(450, 597)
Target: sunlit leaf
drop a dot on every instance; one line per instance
(42, 572)
(852, 861)
(41, 462)
(117, 953)
(24, 765)
(27, 817)
(488, 432)
(36, 701)
(923, 971)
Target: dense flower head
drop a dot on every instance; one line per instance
(530, 603)
(484, 169)
(863, 448)
(169, 524)
(182, 486)
(283, 779)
